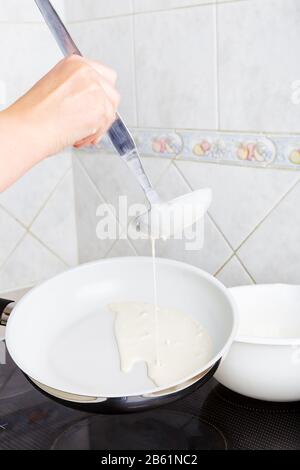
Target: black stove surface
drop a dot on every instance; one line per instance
(159, 430)
(212, 418)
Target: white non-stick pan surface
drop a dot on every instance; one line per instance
(62, 334)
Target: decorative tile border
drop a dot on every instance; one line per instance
(258, 150)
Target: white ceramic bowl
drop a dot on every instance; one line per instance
(264, 360)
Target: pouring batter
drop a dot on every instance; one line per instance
(171, 343)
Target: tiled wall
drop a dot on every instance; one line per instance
(223, 78)
(37, 217)
(212, 92)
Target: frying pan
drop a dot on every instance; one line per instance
(61, 334)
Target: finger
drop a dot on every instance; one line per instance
(111, 93)
(89, 141)
(109, 74)
(86, 141)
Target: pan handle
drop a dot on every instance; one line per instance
(6, 307)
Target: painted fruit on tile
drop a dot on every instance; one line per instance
(295, 157)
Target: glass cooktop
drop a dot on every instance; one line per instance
(212, 418)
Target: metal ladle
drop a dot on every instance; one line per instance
(119, 134)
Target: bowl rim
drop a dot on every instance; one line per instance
(265, 340)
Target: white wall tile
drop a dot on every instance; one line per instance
(15, 295)
(26, 197)
(11, 233)
(111, 42)
(82, 10)
(171, 184)
(121, 248)
(114, 179)
(87, 201)
(15, 11)
(242, 197)
(30, 263)
(210, 258)
(56, 224)
(175, 63)
(215, 250)
(152, 5)
(272, 253)
(214, 253)
(258, 64)
(233, 274)
(27, 52)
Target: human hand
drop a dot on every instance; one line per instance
(74, 104)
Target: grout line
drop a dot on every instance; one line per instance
(174, 164)
(208, 213)
(268, 214)
(235, 250)
(3, 264)
(187, 7)
(27, 228)
(2, 267)
(158, 11)
(133, 247)
(223, 265)
(10, 214)
(96, 189)
(110, 249)
(157, 182)
(49, 249)
(103, 198)
(51, 193)
(86, 173)
(128, 241)
(122, 15)
(229, 163)
(231, 247)
(238, 132)
(220, 231)
(245, 268)
(238, 164)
